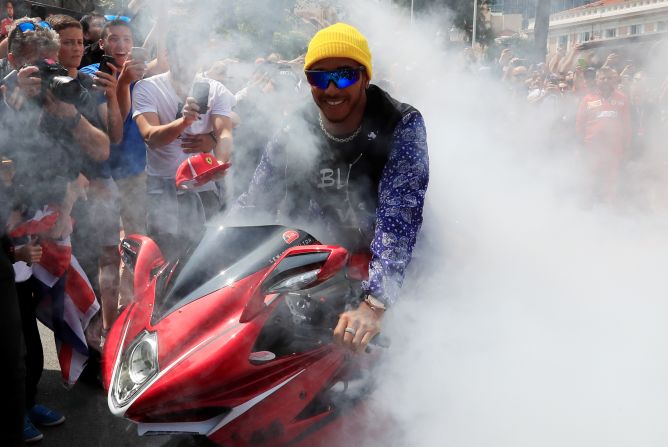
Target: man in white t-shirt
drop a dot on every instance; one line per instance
(168, 119)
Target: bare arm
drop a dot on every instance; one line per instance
(92, 140)
(114, 121)
(156, 39)
(222, 127)
(124, 99)
(3, 48)
(157, 135)
(110, 112)
(567, 62)
(132, 71)
(111, 116)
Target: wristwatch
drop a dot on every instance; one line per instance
(374, 303)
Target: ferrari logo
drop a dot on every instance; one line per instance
(290, 236)
(209, 160)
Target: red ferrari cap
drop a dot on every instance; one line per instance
(198, 169)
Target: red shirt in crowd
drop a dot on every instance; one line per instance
(604, 123)
(6, 26)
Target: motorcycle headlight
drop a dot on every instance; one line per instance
(138, 365)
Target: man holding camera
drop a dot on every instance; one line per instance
(47, 133)
(175, 125)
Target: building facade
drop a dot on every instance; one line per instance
(606, 19)
(527, 8)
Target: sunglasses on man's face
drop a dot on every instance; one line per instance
(111, 18)
(341, 77)
(29, 26)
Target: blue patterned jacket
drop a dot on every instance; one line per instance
(371, 189)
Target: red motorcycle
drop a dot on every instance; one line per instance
(231, 340)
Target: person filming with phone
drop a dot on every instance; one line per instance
(175, 124)
(124, 65)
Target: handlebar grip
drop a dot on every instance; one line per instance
(382, 341)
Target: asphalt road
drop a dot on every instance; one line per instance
(89, 422)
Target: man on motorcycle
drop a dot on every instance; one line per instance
(368, 183)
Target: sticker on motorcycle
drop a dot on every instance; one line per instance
(290, 236)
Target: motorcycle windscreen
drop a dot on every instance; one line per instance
(222, 257)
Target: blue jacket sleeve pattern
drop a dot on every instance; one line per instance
(402, 190)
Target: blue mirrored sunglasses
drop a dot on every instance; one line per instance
(341, 77)
(110, 18)
(29, 26)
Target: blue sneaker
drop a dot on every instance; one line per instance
(30, 433)
(44, 416)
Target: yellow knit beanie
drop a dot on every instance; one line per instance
(339, 40)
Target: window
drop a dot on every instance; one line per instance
(562, 42)
(662, 26)
(610, 33)
(584, 37)
(635, 29)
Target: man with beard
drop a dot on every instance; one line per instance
(368, 183)
(169, 120)
(603, 126)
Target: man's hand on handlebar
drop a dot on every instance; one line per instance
(357, 327)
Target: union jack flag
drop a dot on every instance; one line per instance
(67, 301)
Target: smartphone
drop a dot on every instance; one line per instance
(139, 54)
(104, 68)
(10, 80)
(201, 95)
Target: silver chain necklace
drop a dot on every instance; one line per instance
(335, 139)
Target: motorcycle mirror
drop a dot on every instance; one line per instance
(304, 267)
(129, 250)
(295, 282)
(141, 256)
(298, 268)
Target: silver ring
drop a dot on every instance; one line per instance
(350, 330)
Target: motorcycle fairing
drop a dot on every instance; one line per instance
(206, 383)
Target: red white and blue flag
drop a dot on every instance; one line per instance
(67, 303)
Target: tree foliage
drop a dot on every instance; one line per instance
(461, 15)
(267, 24)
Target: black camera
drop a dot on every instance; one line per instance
(56, 80)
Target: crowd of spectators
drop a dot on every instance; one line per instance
(96, 117)
(613, 113)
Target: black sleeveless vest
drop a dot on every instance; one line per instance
(342, 186)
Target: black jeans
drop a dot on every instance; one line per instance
(28, 299)
(12, 353)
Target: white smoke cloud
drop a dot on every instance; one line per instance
(532, 316)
